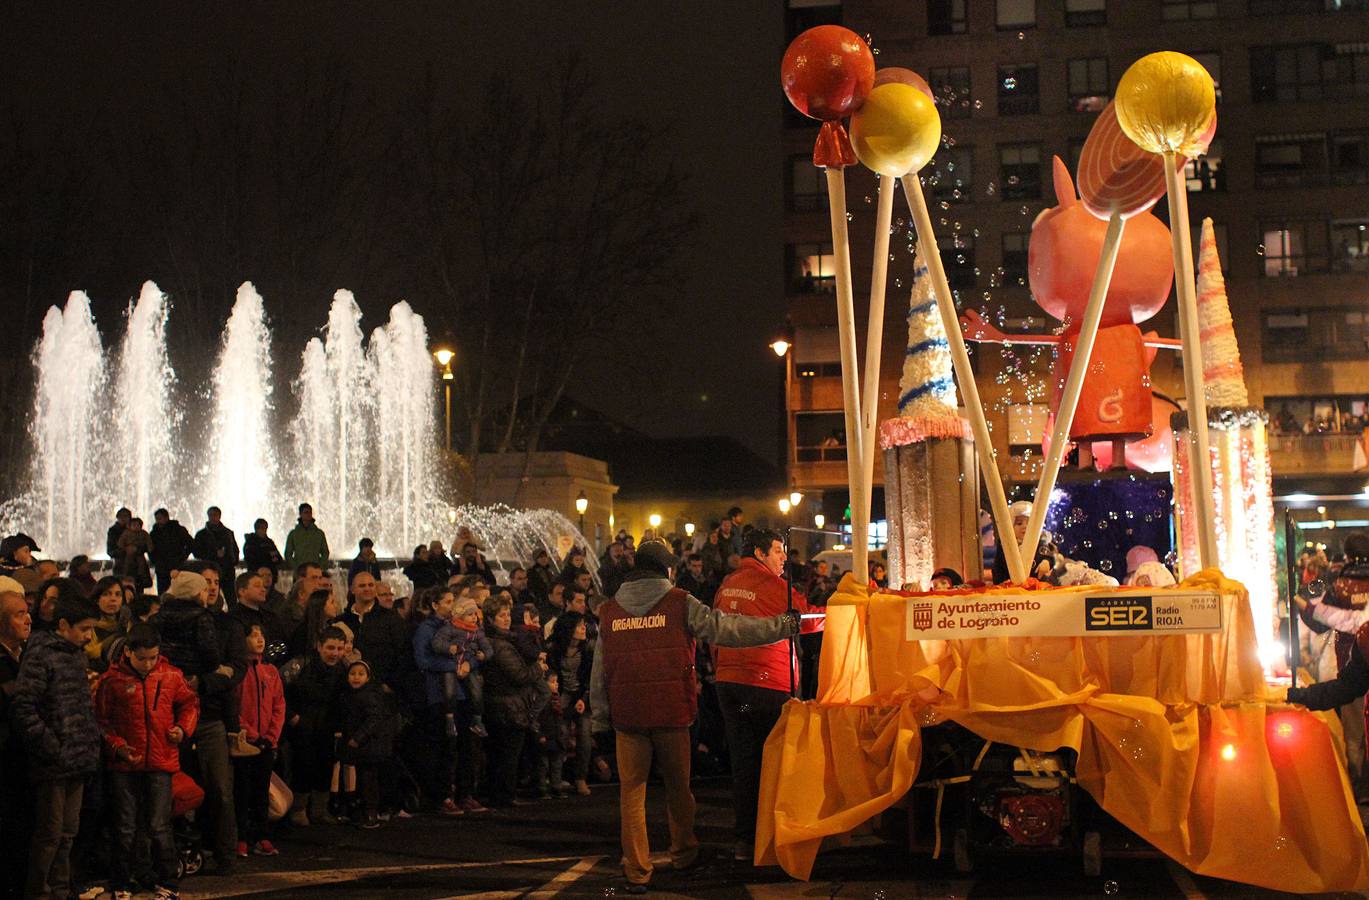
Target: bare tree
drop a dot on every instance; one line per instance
(551, 229)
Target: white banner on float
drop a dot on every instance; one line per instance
(1104, 613)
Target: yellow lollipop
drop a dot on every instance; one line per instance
(896, 130)
(1165, 102)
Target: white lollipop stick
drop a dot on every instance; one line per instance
(874, 344)
(850, 386)
(1074, 383)
(964, 376)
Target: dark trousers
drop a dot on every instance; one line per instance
(57, 816)
(438, 761)
(506, 750)
(16, 824)
(252, 794)
(142, 799)
(215, 775)
(368, 786)
(749, 715)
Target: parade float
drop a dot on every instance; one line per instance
(1153, 703)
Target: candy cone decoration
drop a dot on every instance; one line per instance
(926, 391)
(1223, 377)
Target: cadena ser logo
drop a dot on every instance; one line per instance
(1118, 614)
(922, 616)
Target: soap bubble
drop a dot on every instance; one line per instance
(1110, 888)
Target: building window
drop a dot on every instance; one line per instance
(951, 87)
(1293, 7)
(1183, 10)
(1012, 14)
(1086, 12)
(1315, 334)
(1309, 72)
(945, 17)
(1087, 80)
(957, 258)
(1073, 150)
(1206, 173)
(1015, 257)
(1350, 246)
(801, 15)
(1213, 63)
(1350, 158)
(812, 269)
(1314, 416)
(952, 174)
(1018, 90)
(1293, 247)
(1290, 160)
(807, 184)
(820, 437)
(1019, 170)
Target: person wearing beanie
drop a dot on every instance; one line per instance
(643, 686)
(946, 579)
(1044, 559)
(191, 641)
(367, 738)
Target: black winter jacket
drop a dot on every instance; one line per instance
(54, 711)
(383, 640)
(366, 720)
(313, 695)
(171, 545)
(510, 681)
(260, 551)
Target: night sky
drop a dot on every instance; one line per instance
(708, 70)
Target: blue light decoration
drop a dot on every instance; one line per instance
(1099, 517)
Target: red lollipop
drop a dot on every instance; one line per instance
(899, 75)
(1115, 175)
(827, 73)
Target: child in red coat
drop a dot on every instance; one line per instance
(145, 710)
(261, 697)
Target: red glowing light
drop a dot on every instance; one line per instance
(1283, 730)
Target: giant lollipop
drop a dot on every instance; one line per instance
(895, 134)
(827, 73)
(1166, 103)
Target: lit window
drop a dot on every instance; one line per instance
(1088, 84)
(1205, 173)
(812, 269)
(1293, 248)
(1012, 14)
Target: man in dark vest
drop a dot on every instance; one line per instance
(643, 686)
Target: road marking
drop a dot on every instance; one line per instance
(1184, 880)
(240, 886)
(573, 874)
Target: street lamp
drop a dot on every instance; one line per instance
(795, 497)
(689, 529)
(784, 506)
(655, 520)
(444, 359)
(819, 520)
(780, 346)
(582, 504)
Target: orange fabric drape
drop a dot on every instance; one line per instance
(1149, 717)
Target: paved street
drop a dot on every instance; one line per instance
(568, 848)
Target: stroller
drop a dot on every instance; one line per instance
(186, 797)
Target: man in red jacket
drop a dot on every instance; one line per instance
(145, 709)
(754, 684)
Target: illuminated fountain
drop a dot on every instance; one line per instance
(360, 443)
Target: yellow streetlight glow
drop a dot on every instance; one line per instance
(795, 497)
(819, 520)
(780, 346)
(581, 503)
(655, 520)
(689, 529)
(784, 506)
(443, 356)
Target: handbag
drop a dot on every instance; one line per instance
(278, 800)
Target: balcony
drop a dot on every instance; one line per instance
(1312, 454)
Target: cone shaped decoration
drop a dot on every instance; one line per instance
(931, 474)
(1242, 485)
(1223, 376)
